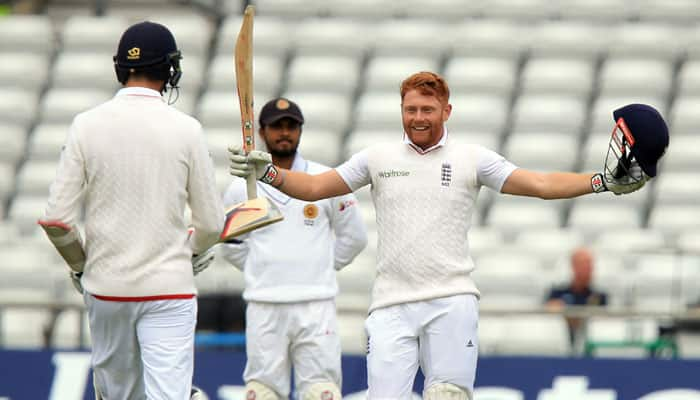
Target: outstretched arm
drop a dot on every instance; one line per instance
(553, 185)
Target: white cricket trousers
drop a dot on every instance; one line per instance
(303, 334)
(142, 350)
(439, 335)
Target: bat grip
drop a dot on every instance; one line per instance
(251, 184)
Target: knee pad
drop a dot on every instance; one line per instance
(322, 391)
(255, 390)
(446, 391)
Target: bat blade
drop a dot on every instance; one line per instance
(243, 61)
(249, 215)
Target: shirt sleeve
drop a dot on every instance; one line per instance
(493, 169)
(235, 253)
(355, 171)
(349, 228)
(204, 201)
(67, 190)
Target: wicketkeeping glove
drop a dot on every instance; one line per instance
(200, 262)
(243, 164)
(620, 182)
(75, 277)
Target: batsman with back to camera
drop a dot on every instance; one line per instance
(135, 163)
(291, 313)
(424, 309)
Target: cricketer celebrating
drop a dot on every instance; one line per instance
(135, 163)
(424, 307)
(291, 314)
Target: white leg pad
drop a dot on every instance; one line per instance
(446, 391)
(255, 390)
(322, 391)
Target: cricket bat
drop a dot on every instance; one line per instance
(256, 212)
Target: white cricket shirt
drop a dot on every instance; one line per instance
(134, 163)
(424, 201)
(295, 260)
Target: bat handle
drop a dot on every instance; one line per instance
(251, 184)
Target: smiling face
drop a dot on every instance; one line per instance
(423, 117)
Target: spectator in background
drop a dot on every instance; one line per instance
(578, 292)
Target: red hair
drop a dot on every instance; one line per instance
(427, 83)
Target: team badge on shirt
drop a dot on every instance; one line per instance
(446, 174)
(310, 213)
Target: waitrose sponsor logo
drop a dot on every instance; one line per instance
(393, 173)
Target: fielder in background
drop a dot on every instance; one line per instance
(424, 307)
(135, 163)
(289, 270)
(578, 291)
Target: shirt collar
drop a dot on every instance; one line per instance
(139, 91)
(440, 143)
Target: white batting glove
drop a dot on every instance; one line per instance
(243, 164)
(631, 181)
(200, 262)
(75, 277)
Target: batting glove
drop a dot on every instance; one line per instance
(618, 183)
(256, 161)
(75, 277)
(200, 262)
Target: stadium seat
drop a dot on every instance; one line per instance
(684, 119)
(519, 10)
(674, 218)
(379, 111)
(45, 142)
(321, 145)
(558, 76)
(689, 79)
(18, 106)
(67, 328)
(515, 214)
(73, 70)
(595, 11)
(385, 74)
(22, 70)
(322, 110)
(469, 111)
(630, 241)
(567, 39)
(27, 33)
(289, 8)
(553, 113)
(689, 242)
(678, 12)
(621, 77)
(272, 35)
(509, 272)
(60, 106)
(192, 31)
(331, 37)
(601, 116)
(535, 335)
(92, 34)
(476, 75)
(360, 139)
(34, 178)
(12, 143)
(676, 188)
(193, 68)
(591, 219)
(361, 9)
(221, 110)
(645, 40)
(443, 10)
(658, 281)
(407, 37)
(621, 330)
(25, 210)
(683, 155)
(526, 150)
(550, 244)
(488, 139)
(484, 240)
(324, 74)
(267, 75)
(24, 328)
(490, 38)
